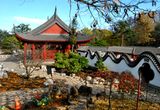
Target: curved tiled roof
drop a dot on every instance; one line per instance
(37, 34)
(53, 20)
(51, 38)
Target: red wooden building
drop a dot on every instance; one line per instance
(50, 37)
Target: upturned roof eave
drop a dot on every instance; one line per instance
(21, 37)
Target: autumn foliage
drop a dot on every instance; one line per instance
(127, 83)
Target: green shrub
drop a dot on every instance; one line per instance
(11, 43)
(76, 62)
(74, 65)
(100, 65)
(83, 61)
(61, 60)
(74, 55)
(73, 62)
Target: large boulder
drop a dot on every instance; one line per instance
(73, 92)
(85, 90)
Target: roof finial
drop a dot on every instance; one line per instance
(55, 12)
(14, 28)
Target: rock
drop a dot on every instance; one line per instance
(49, 82)
(21, 65)
(63, 74)
(44, 68)
(95, 81)
(12, 70)
(80, 106)
(23, 74)
(53, 70)
(87, 82)
(73, 75)
(1, 66)
(101, 81)
(61, 108)
(85, 90)
(74, 92)
(5, 75)
(81, 80)
(88, 78)
(100, 95)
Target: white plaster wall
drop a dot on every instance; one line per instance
(82, 53)
(156, 80)
(91, 62)
(122, 66)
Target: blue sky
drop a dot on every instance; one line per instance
(36, 12)
(33, 12)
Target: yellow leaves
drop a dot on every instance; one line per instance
(143, 28)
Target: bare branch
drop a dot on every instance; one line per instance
(115, 8)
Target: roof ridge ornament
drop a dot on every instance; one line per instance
(55, 12)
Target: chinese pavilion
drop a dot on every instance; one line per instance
(50, 37)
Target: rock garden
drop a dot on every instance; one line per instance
(76, 87)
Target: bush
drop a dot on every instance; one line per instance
(11, 43)
(127, 83)
(74, 65)
(73, 62)
(100, 65)
(84, 62)
(61, 61)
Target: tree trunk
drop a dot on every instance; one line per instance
(72, 48)
(110, 93)
(122, 40)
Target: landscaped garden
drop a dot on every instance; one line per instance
(70, 83)
(117, 91)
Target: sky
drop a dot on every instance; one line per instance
(32, 12)
(36, 12)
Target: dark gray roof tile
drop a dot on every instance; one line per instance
(36, 34)
(51, 38)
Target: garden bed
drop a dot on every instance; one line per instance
(16, 82)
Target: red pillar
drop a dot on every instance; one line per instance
(44, 52)
(33, 52)
(25, 52)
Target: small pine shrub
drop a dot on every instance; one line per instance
(73, 62)
(61, 60)
(100, 65)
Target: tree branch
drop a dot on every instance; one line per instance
(111, 8)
